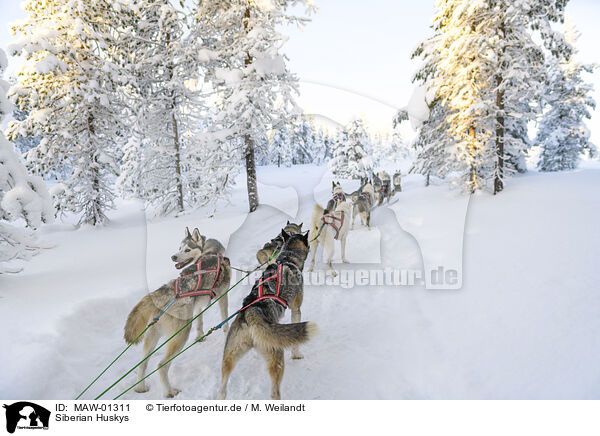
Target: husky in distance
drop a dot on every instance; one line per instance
(397, 182)
(326, 228)
(337, 196)
(270, 249)
(363, 203)
(384, 189)
(204, 275)
(257, 323)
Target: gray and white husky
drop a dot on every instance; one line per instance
(257, 326)
(363, 203)
(397, 182)
(182, 309)
(385, 190)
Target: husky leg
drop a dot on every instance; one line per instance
(343, 247)
(363, 218)
(296, 315)
(276, 365)
(313, 253)
(238, 343)
(152, 337)
(201, 303)
(174, 347)
(329, 247)
(223, 307)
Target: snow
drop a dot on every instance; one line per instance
(46, 65)
(525, 324)
(418, 106)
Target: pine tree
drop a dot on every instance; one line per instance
(563, 134)
(69, 86)
(350, 160)
(485, 66)
(281, 152)
(163, 156)
(22, 196)
(24, 144)
(255, 87)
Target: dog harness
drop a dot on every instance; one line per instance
(199, 273)
(262, 296)
(339, 197)
(334, 221)
(366, 196)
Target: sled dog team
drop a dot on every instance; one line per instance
(206, 274)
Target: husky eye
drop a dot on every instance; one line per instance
(187, 249)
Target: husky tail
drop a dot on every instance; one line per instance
(271, 335)
(138, 319)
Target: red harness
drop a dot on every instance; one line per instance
(339, 197)
(199, 273)
(263, 296)
(366, 196)
(333, 220)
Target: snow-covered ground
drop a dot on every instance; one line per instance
(525, 324)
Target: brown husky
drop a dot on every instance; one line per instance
(181, 310)
(257, 324)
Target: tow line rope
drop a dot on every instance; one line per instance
(154, 321)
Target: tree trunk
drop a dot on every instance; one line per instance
(249, 154)
(251, 174)
(499, 177)
(176, 143)
(177, 160)
(473, 176)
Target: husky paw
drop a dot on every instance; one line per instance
(173, 392)
(221, 395)
(297, 356)
(345, 260)
(141, 388)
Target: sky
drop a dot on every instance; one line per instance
(353, 58)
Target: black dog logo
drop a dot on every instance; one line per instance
(26, 415)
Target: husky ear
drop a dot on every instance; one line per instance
(196, 236)
(187, 232)
(300, 226)
(288, 223)
(305, 238)
(285, 235)
(333, 184)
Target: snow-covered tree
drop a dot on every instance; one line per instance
(255, 87)
(281, 151)
(350, 160)
(24, 144)
(22, 197)
(487, 70)
(562, 134)
(166, 158)
(69, 86)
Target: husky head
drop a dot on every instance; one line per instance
(296, 243)
(292, 228)
(376, 180)
(336, 188)
(190, 249)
